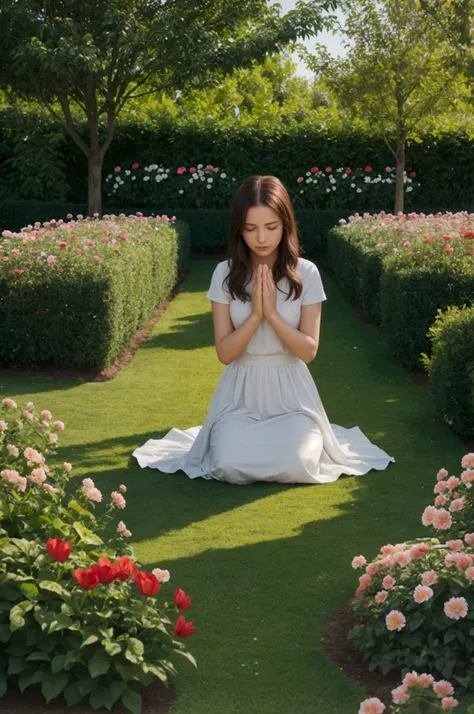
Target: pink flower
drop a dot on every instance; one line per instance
(455, 544)
(162, 576)
(135, 165)
(453, 482)
(456, 608)
(448, 703)
(368, 169)
(463, 561)
(410, 679)
(359, 561)
(59, 425)
(328, 169)
(440, 487)
(93, 494)
(372, 569)
(3, 425)
(388, 582)
(118, 499)
(387, 549)
(13, 450)
(116, 169)
(429, 577)
(51, 259)
(348, 171)
(428, 515)
(469, 538)
(96, 258)
(422, 593)
(33, 456)
(372, 706)
(9, 403)
(181, 170)
(122, 488)
(440, 500)
(442, 519)
(88, 483)
(400, 695)
(469, 574)
(395, 620)
(402, 558)
(442, 473)
(53, 438)
(407, 244)
(381, 596)
(426, 680)
(419, 550)
(192, 170)
(364, 581)
(467, 476)
(122, 529)
(51, 489)
(315, 169)
(38, 476)
(468, 461)
(300, 179)
(67, 467)
(443, 688)
(14, 478)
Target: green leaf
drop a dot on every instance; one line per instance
(101, 697)
(97, 666)
(73, 694)
(17, 619)
(86, 535)
(132, 701)
(89, 640)
(62, 527)
(60, 622)
(136, 646)
(52, 587)
(53, 684)
(5, 633)
(38, 657)
(58, 663)
(29, 590)
(26, 679)
(449, 636)
(112, 648)
(187, 655)
(75, 506)
(16, 665)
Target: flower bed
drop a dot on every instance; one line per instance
(415, 601)
(85, 285)
(402, 269)
(79, 616)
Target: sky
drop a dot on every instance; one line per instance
(331, 41)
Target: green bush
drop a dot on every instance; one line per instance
(412, 292)
(78, 615)
(75, 294)
(451, 368)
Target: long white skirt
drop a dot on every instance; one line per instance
(266, 422)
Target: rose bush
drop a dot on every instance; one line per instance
(79, 616)
(415, 602)
(417, 694)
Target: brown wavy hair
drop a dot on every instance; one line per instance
(262, 191)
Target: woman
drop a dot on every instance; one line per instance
(266, 421)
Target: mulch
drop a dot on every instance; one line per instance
(105, 375)
(348, 658)
(156, 699)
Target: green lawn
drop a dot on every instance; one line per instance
(265, 564)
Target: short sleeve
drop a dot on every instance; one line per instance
(217, 292)
(313, 290)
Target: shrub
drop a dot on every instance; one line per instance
(417, 694)
(451, 368)
(414, 603)
(85, 285)
(78, 614)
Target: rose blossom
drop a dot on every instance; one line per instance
(122, 489)
(402, 558)
(38, 476)
(426, 680)
(410, 679)
(456, 608)
(440, 500)
(388, 582)
(442, 473)
(372, 706)
(442, 519)
(455, 544)
(387, 549)
(372, 568)
(364, 581)
(469, 573)
(422, 593)
(88, 483)
(3, 425)
(469, 538)
(93, 494)
(448, 703)
(123, 530)
(457, 505)
(59, 425)
(358, 561)
(463, 561)
(443, 688)
(33, 456)
(428, 515)
(400, 695)
(381, 596)
(429, 577)
(419, 550)
(13, 450)
(45, 414)
(118, 499)
(9, 403)
(67, 467)
(468, 461)
(395, 620)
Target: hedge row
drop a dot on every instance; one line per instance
(77, 293)
(451, 368)
(38, 160)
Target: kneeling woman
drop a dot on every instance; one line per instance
(266, 421)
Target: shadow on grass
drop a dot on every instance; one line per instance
(188, 333)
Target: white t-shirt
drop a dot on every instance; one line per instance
(265, 340)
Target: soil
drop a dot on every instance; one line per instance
(156, 698)
(348, 658)
(105, 375)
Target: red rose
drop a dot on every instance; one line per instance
(183, 628)
(105, 570)
(126, 568)
(314, 170)
(63, 244)
(135, 165)
(148, 583)
(58, 549)
(86, 579)
(182, 600)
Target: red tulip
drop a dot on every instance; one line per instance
(183, 628)
(105, 570)
(147, 583)
(126, 568)
(58, 549)
(182, 600)
(86, 579)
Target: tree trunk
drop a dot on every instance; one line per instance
(400, 167)
(95, 183)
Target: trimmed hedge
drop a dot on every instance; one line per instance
(451, 368)
(83, 316)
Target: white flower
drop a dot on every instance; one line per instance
(223, 175)
(210, 179)
(353, 185)
(146, 178)
(359, 190)
(181, 191)
(127, 172)
(200, 166)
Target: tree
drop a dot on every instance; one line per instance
(397, 71)
(96, 56)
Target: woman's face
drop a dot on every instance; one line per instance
(263, 231)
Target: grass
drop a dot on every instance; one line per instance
(265, 564)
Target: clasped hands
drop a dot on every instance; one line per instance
(264, 293)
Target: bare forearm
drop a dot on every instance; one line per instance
(300, 344)
(232, 345)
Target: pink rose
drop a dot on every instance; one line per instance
(93, 494)
(162, 576)
(468, 461)
(448, 703)
(395, 620)
(9, 403)
(381, 596)
(359, 561)
(67, 467)
(422, 593)
(443, 688)
(456, 608)
(455, 544)
(53, 438)
(51, 259)
(469, 574)
(442, 473)
(388, 582)
(428, 515)
(429, 577)
(3, 425)
(400, 695)
(372, 706)
(442, 519)
(13, 450)
(469, 538)
(118, 499)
